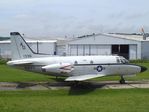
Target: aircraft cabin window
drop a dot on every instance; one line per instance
(91, 62)
(75, 62)
(124, 61)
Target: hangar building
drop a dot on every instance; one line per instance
(130, 46)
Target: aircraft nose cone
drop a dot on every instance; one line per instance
(143, 68)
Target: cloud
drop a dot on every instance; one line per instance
(135, 15)
(22, 17)
(68, 17)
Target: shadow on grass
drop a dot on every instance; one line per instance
(25, 84)
(79, 88)
(84, 88)
(58, 79)
(73, 88)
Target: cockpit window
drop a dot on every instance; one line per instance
(118, 60)
(123, 60)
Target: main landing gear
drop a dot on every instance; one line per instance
(122, 80)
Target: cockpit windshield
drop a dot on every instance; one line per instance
(122, 60)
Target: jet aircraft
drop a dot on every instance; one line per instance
(74, 68)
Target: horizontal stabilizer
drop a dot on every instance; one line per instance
(83, 77)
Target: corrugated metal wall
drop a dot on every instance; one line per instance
(145, 50)
(87, 49)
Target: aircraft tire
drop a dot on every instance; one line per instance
(122, 81)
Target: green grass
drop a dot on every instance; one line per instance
(8, 74)
(73, 100)
(126, 100)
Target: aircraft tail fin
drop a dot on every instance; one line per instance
(20, 49)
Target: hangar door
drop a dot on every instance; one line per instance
(121, 50)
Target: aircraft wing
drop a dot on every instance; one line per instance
(84, 77)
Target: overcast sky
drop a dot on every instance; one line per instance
(57, 18)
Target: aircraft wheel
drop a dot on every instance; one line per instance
(122, 81)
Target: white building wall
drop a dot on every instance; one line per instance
(145, 50)
(80, 50)
(47, 48)
(73, 50)
(133, 51)
(5, 50)
(61, 50)
(104, 50)
(94, 50)
(139, 50)
(87, 49)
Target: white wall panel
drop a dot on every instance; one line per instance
(73, 50)
(86, 50)
(80, 50)
(104, 50)
(5, 50)
(46, 48)
(94, 49)
(132, 52)
(145, 50)
(61, 50)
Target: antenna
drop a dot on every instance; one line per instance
(143, 33)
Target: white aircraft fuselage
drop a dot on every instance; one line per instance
(76, 65)
(76, 68)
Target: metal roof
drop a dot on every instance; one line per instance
(128, 37)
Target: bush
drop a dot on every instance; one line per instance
(139, 61)
(2, 61)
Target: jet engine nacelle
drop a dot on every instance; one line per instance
(58, 68)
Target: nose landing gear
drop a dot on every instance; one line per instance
(122, 80)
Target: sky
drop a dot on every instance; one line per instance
(72, 18)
